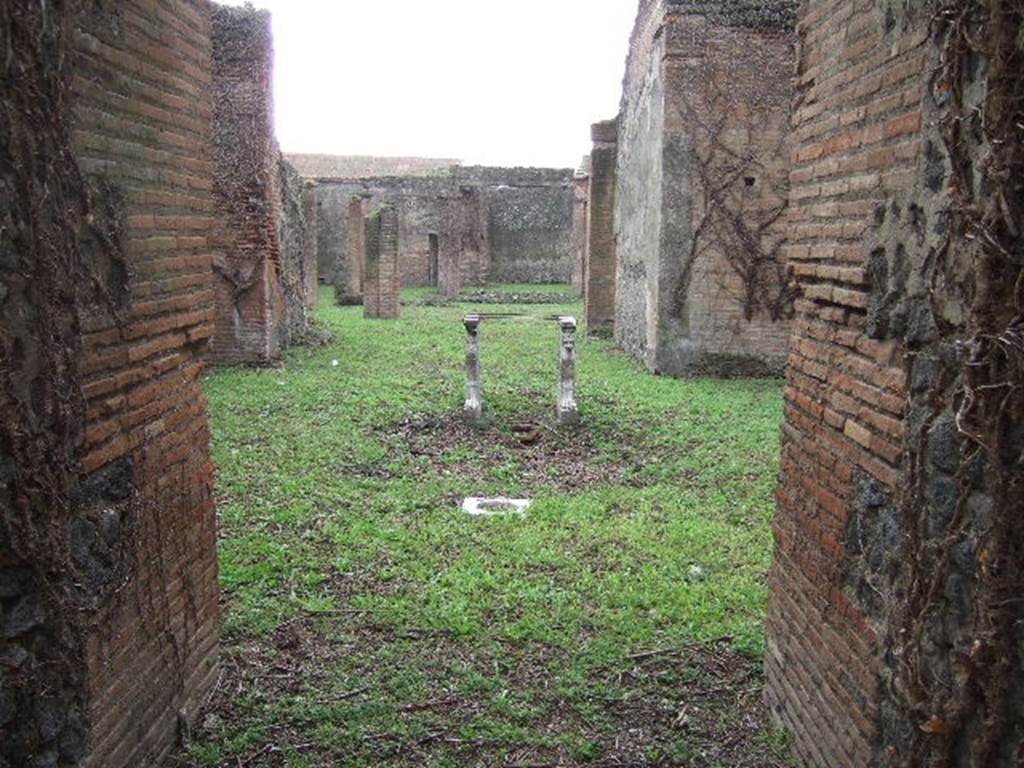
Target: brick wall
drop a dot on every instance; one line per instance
(117, 614)
(601, 260)
(702, 188)
(250, 306)
(381, 276)
(449, 271)
(885, 611)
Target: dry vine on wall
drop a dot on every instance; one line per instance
(741, 198)
(955, 695)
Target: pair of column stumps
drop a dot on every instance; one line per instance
(566, 408)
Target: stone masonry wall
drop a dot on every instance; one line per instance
(601, 262)
(894, 628)
(108, 575)
(529, 221)
(702, 189)
(249, 300)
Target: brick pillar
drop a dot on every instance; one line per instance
(250, 308)
(580, 195)
(350, 276)
(449, 257)
(381, 275)
(600, 264)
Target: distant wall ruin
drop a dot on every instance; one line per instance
(526, 231)
(702, 182)
(108, 571)
(894, 629)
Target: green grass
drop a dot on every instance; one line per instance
(346, 562)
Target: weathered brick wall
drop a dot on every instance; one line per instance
(894, 620)
(449, 272)
(601, 262)
(108, 576)
(463, 242)
(382, 280)
(247, 263)
(702, 188)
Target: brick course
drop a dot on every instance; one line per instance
(143, 399)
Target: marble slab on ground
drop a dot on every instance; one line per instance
(479, 506)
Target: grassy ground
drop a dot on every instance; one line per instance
(368, 622)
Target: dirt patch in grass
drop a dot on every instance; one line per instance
(545, 456)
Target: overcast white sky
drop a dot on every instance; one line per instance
(495, 82)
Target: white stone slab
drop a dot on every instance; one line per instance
(479, 506)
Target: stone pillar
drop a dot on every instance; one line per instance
(381, 277)
(600, 263)
(473, 407)
(568, 413)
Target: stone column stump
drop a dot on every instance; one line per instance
(568, 412)
(473, 408)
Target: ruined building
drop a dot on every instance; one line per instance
(692, 278)
(895, 628)
(513, 225)
(137, 227)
